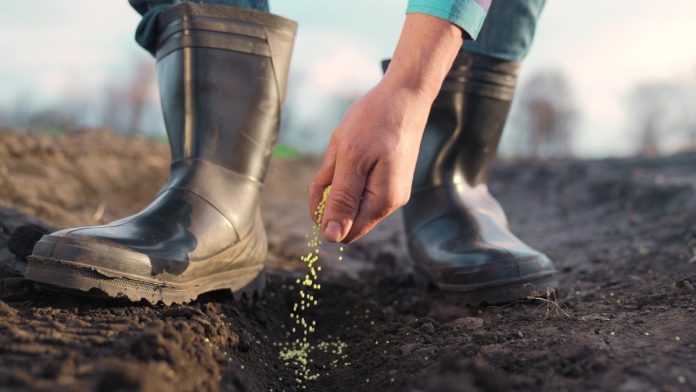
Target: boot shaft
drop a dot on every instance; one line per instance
(222, 73)
(466, 122)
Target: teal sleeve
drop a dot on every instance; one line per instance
(467, 14)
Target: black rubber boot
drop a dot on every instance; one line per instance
(456, 230)
(222, 74)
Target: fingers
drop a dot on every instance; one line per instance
(346, 193)
(384, 193)
(322, 179)
(316, 192)
(366, 188)
(325, 174)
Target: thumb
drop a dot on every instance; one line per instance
(344, 200)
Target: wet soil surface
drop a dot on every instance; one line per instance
(621, 232)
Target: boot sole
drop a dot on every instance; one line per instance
(503, 292)
(78, 277)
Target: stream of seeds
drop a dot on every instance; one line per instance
(300, 351)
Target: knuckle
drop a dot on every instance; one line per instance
(387, 151)
(392, 202)
(357, 155)
(380, 210)
(405, 198)
(383, 208)
(386, 205)
(396, 198)
(352, 151)
(344, 202)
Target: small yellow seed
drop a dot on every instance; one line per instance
(297, 353)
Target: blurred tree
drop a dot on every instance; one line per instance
(125, 101)
(289, 121)
(663, 111)
(114, 108)
(648, 106)
(52, 120)
(18, 114)
(310, 133)
(547, 115)
(690, 109)
(141, 83)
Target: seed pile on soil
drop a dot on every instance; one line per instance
(621, 232)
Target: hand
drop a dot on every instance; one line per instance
(372, 154)
(370, 161)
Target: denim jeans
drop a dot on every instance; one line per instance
(146, 32)
(507, 31)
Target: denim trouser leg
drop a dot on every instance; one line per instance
(145, 34)
(508, 29)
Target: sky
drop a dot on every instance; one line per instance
(57, 50)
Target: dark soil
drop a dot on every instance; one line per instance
(622, 233)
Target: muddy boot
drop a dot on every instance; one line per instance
(222, 73)
(456, 230)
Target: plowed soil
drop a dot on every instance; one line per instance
(621, 232)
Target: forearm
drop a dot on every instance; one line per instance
(425, 53)
(372, 154)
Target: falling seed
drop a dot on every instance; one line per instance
(297, 353)
(681, 379)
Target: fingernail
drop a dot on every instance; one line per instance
(332, 232)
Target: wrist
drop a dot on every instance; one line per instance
(425, 52)
(413, 81)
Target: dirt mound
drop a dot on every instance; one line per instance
(620, 231)
(78, 178)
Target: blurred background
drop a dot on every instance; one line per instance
(603, 78)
